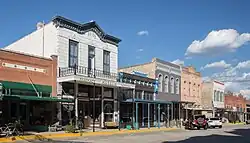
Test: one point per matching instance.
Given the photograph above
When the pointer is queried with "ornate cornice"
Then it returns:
(86, 27)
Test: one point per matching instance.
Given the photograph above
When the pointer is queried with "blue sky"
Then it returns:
(161, 28)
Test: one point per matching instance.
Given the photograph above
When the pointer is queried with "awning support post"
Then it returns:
(136, 114)
(148, 115)
(159, 114)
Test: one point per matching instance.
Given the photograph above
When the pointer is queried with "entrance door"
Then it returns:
(23, 113)
(108, 111)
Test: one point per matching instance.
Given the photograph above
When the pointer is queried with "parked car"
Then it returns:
(197, 121)
(214, 122)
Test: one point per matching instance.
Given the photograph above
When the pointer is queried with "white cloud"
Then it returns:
(226, 40)
(178, 62)
(140, 50)
(220, 64)
(143, 32)
(245, 92)
(235, 79)
(243, 65)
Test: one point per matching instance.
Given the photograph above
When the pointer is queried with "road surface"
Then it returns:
(228, 134)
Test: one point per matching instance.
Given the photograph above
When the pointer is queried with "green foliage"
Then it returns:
(70, 128)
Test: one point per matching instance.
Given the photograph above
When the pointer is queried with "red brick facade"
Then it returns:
(235, 101)
(19, 67)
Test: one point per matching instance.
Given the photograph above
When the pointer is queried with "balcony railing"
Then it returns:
(79, 70)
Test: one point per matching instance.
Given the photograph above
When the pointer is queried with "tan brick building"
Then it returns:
(191, 85)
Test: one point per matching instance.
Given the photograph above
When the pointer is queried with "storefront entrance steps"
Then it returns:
(48, 136)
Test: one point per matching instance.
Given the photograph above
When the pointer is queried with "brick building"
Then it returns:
(191, 89)
(28, 85)
(235, 106)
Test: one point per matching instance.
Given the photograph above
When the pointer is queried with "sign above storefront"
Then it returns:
(140, 73)
(103, 82)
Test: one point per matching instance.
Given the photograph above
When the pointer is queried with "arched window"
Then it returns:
(218, 95)
(166, 81)
(160, 78)
(214, 95)
(172, 84)
(222, 96)
(177, 86)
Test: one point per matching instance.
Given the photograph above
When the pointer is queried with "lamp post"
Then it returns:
(94, 105)
(118, 105)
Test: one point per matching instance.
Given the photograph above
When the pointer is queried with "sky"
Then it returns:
(211, 35)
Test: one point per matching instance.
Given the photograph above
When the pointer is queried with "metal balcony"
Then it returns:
(84, 71)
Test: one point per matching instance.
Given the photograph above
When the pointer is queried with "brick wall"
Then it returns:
(234, 101)
(191, 85)
(18, 67)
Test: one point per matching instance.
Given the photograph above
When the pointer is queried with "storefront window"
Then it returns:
(40, 113)
(108, 92)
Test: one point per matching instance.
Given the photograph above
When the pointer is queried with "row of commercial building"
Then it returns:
(68, 70)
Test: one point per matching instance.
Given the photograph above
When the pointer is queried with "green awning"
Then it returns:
(35, 98)
(26, 86)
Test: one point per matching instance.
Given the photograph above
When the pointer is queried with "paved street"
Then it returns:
(228, 134)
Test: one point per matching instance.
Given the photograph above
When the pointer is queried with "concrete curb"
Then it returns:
(86, 134)
(231, 124)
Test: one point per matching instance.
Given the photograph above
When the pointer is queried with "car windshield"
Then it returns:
(202, 116)
(213, 119)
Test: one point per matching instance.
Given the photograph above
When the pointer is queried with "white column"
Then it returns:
(76, 102)
(115, 97)
(102, 105)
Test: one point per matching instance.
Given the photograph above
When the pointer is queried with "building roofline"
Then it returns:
(25, 54)
(166, 62)
(136, 65)
(82, 28)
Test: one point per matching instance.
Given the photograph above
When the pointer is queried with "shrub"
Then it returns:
(70, 129)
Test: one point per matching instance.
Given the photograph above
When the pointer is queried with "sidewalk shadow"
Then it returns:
(238, 135)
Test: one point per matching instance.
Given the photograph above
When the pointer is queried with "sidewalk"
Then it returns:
(242, 123)
(53, 135)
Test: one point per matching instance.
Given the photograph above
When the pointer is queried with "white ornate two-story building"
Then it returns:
(87, 65)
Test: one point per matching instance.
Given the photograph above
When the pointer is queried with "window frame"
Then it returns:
(177, 87)
(73, 57)
(166, 84)
(106, 62)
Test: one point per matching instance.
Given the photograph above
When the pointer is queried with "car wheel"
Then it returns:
(192, 127)
(198, 128)
(205, 127)
(220, 126)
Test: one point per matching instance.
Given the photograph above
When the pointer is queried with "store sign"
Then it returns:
(140, 73)
(105, 82)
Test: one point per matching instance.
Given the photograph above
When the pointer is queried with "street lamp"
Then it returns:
(94, 105)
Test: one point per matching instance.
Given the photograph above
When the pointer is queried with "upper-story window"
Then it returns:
(177, 86)
(218, 96)
(73, 53)
(106, 62)
(160, 82)
(172, 84)
(223, 97)
(91, 58)
(214, 95)
(166, 81)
